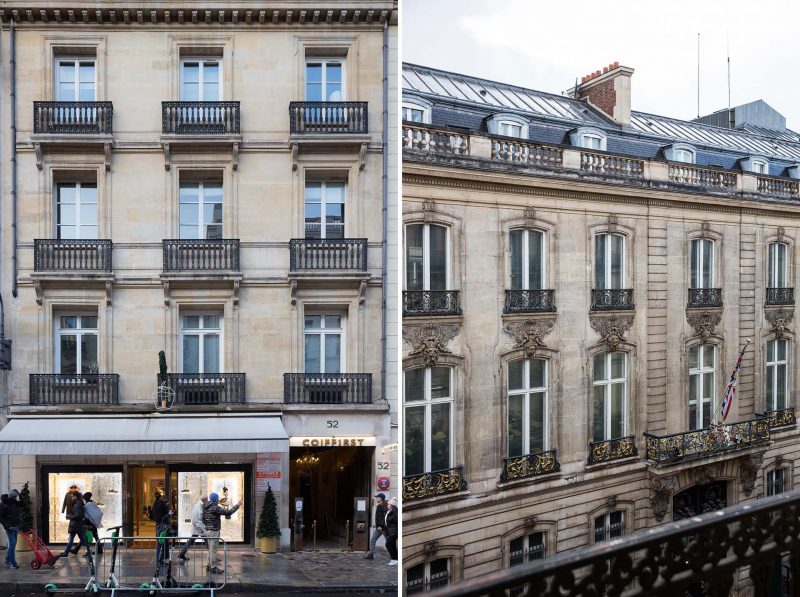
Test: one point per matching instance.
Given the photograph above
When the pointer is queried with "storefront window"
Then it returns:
(230, 487)
(106, 488)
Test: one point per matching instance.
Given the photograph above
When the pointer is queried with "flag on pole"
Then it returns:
(730, 391)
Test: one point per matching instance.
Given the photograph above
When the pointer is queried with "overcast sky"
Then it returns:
(545, 45)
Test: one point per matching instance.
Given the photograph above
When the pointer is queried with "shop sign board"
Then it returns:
(332, 442)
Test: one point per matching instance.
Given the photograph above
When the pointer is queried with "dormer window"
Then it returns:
(588, 138)
(756, 165)
(683, 155)
(680, 152)
(508, 125)
(591, 142)
(509, 129)
(417, 110)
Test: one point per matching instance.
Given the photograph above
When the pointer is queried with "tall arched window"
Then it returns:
(702, 385)
(610, 395)
(527, 259)
(527, 407)
(609, 261)
(428, 407)
(777, 377)
(427, 257)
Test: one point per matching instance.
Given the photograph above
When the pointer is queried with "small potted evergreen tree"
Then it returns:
(25, 515)
(268, 529)
(165, 394)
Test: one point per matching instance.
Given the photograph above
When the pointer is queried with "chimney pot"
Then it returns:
(616, 64)
(597, 73)
(605, 69)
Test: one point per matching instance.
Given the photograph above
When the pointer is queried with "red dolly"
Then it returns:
(42, 553)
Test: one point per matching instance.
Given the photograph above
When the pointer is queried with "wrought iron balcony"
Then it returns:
(612, 449)
(612, 299)
(101, 389)
(71, 255)
(201, 389)
(73, 118)
(530, 301)
(328, 118)
(434, 484)
(705, 297)
(688, 445)
(328, 254)
(201, 255)
(200, 118)
(780, 296)
(529, 465)
(781, 418)
(431, 302)
(327, 388)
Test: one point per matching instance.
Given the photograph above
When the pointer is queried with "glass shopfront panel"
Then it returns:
(106, 493)
(230, 487)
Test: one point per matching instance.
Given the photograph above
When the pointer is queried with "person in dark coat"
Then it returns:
(10, 517)
(77, 526)
(379, 524)
(211, 519)
(162, 516)
(87, 497)
(66, 505)
(391, 531)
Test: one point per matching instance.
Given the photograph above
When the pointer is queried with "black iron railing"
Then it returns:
(780, 296)
(88, 388)
(328, 254)
(201, 255)
(73, 118)
(434, 484)
(71, 255)
(612, 449)
(200, 118)
(431, 302)
(530, 301)
(781, 418)
(529, 465)
(327, 388)
(684, 446)
(705, 297)
(612, 299)
(199, 389)
(328, 117)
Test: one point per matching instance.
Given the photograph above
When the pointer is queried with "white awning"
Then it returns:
(152, 435)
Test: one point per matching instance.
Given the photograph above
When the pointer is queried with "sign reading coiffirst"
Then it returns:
(331, 442)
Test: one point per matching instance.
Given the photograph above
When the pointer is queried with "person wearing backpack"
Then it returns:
(9, 518)
(94, 519)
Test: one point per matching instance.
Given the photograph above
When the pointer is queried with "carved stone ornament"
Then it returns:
(661, 490)
(429, 549)
(703, 475)
(530, 523)
(612, 329)
(530, 217)
(428, 210)
(748, 471)
(705, 228)
(529, 334)
(430, 340)
(612, 222)
(780, 320)
(704, 323)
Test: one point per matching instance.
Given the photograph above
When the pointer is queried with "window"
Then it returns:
(702, 263)
(759, 167)
(325, 209)
(201, 210)
(76, 80)
(609, 526)
(324, 81)
(527, 407)
(427, 257)
(609, 259)
(428, 419)
(200, 80)
(428, 576)
(526, 248)
(527, 548)
(776, 268)
(777, 379)
(323, 343)
(776, 481)
(509, 129)
(591, 142)
(610, 386)
(76, 346)
(702, 385)
(683, 155)
(415, 113)
(201, 343)
(76, 211)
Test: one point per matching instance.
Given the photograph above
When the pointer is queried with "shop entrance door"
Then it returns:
(146, 483)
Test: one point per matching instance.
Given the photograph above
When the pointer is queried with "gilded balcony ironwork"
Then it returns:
(200, 118)
(431, 302)
(612, 449)
(328, 118)
(780, 296)
(781, 418)
(705, 297)
(612, 299)
(700, 443)
(434, 484)
(100, 389)
(200, 255)
(73, 118)
(529, 465)
(203, 389)
(327, 254)
(530, 301)
(70, 255)
(327, 388)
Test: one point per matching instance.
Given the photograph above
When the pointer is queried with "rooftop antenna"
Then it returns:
(698, 74)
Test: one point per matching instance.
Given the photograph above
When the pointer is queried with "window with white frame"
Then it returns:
(323, 335)
(324, 81)
(76, 80)
(527, 548)
(201, 343)
(76, 344)
(201, 210)
(427, 257)
(76, 211)
(201, 80)
(428, 576)
(325, 209)
(777, 374)
(527, 406)
(702, 385)
(415, 113)
(683, 155)
(609, 526)
(776, 481)
(777, 266)
(591, 141)
(609, 261)
(527, 259)
(609, 396)
(759, 167)
(428, 406)
(702, 263)
(507, 128)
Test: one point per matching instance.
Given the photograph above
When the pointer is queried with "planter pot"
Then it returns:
(268, 544)
(22, 545)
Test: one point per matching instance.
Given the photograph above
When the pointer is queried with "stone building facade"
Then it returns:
(579, 282)
(208, 181)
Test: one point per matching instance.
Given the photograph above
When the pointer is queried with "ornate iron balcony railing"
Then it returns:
(530, 301)
(328, 118)
(431, 302)
(434, 484)
(705, 297)
(780, 296)
(327, 388)
(200, 118)
(781, 418)
(201, 255)
(616, 299)
(328, 254)
(200, 389)
(73, 118)
(680, 447)
(612, 449)
(529, 465)
(101, 389)
(71, 255)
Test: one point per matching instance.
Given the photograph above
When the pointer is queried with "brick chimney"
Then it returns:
(609, 91)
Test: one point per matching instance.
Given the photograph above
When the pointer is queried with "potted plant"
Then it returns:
(268, 529)
(91, 376)
(25, 516)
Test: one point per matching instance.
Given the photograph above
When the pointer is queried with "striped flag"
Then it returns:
(730, 391)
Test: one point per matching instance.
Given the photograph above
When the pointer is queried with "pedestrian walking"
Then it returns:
(77, 526)
(198, 528)
(94, 518)
(379, 524)
(9, 518)
(162, 516)
(211, 519)
(391, 531)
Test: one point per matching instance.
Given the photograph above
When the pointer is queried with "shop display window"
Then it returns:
(106, 488)
(193, 484)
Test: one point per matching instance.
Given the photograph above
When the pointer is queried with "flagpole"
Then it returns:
(734, 379)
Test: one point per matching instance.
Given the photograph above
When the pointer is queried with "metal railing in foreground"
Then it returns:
(701, 554)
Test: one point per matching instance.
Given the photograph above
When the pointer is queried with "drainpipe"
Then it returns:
(13, 40)
(385, 208)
